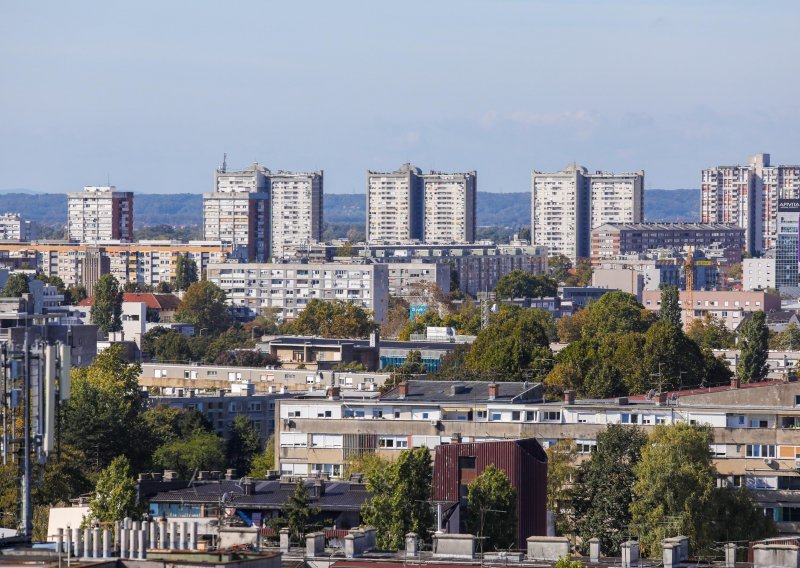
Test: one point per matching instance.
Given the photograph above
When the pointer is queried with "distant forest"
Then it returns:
(505, 210)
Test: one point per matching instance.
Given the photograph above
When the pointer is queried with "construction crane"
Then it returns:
(688, 269)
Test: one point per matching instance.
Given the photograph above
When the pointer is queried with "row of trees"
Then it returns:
(651, 487)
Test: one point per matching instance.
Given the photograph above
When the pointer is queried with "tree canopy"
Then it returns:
(16, 286)
(754, 344)
(107, 306)
(101, 417)
(516, 342)
(115, 496)
(400, 499)
(603, 492)
(243, 444)
(492, 509)
(334, 319)
(523, 284)
(670, 311)
(185, 272)
(202, 450)
(710, 332)
(204, 306)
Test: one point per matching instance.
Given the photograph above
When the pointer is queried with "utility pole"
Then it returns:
(27, 509)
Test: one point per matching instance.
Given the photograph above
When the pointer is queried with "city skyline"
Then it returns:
(110, 94)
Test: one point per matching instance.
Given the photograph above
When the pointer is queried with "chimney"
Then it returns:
(170, 475)
(230, 474)
(569, 396)
(319, 488)
(735, 383)
(247, 485)
(492, 391)
(661, 399)
(333, 393)
(402, 390)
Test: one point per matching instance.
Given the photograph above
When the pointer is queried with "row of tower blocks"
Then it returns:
(262, 214)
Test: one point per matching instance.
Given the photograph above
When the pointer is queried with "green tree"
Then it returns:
(243, 444)
(616, 312)
(107, 305)
(492, 509)
(711, 332)
(560, 472)
(581, 276)
(115, 495)
(788, 339)
(298, 512)
(75, 294)
(16, 286)
(101, 417)
(400, 499)
(559, 267)
(202, 450)
(570, 328)
(567, 562)
(265, 461)
(670, 305)
(603, 493)
(515, 341)
(669, 352)
(364, 463)
(173, 347)
(204, 306)
(523, 284)
(185, 272)
(334, 319)
(674, 488)
(754, 344)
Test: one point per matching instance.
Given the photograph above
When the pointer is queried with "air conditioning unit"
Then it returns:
(797, 464)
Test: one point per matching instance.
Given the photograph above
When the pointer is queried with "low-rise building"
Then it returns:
(755, 427)
(287, 288)
(405, 278)
(732, 307)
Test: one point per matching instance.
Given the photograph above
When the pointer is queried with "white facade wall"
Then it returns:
(287, 288)
(296, 210)
(13, 227)
(758, 273)
(449, 207)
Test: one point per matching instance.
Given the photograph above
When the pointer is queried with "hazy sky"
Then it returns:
(152, 93)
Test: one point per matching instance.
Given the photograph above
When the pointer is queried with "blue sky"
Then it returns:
(150, 94)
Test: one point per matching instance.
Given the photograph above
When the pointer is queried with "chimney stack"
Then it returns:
(735, 383)
(492, 391)
(661, 399)
(402, 390)
(333, 393)
(247, 485)
(569, 396)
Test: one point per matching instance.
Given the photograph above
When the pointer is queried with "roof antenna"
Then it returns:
(224, 167)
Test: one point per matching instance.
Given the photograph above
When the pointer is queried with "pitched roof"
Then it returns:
(156, 301)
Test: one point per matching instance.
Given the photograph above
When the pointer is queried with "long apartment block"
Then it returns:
(756, 428)
(615, 239)
(286, 288)
(145, 262)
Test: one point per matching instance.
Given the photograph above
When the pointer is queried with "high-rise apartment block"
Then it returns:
(567, 205)
(296, 218)
(237, 212)
(449, 207)
(749, 196)
(100, 213)
(13, 227)
(407, 205)
(260, 213)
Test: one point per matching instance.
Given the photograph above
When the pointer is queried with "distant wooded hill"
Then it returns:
(181, 209)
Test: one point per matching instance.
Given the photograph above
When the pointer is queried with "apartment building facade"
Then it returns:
(145, 262)
(395, 205)
(450, 212)
(614, 239)
(566, 206)
(100, 213)
(296, 210)
(755, 427)
(288, 287)
(237, 212)
(14, 228)
(749, 196)
(434, 208)
(732, 307)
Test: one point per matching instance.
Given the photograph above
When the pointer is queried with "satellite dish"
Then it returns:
(494, 308)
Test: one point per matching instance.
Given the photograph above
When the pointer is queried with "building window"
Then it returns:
(760, 451)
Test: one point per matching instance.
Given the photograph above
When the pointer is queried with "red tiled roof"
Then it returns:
(156, 301)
